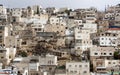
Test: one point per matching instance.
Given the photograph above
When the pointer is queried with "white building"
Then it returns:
(2, 10)
(44, 18)
(17, 12)
(77, 68)
(57, 20)
(109, 16)
(91, 26)
(90, 16)
(78, 22)
(4, 55)
(108, 39)
(37, 26)
(48, 60)
(106, 65)
(37, 9)
(1, 64)
(82, 39)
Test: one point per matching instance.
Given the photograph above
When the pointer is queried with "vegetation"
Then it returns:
(23, 53)
(61, 67)
(116, 55)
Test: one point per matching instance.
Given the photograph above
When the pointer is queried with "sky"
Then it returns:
(100, 4)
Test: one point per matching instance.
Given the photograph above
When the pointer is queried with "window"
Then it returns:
(66, 27)
(96, 53)
(86, 65)
(110, 53)
(104, 53)
(75, 65)
(2, 57)
(24, 43)
(69, 65)
(71, 71)
(102, 38)
(109, 62)
(84, 71)
(114, 35)
(80, 65)
(78, 47)
(75, 71)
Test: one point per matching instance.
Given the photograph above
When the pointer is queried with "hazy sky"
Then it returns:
(100, 4)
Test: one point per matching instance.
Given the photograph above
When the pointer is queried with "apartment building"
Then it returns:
(57, 20)
(50, 10)
(108, 39)
(91, 26)
(77, 22)
(77, 68)
(82, 39)
(7, 54)
(106, 66)
(37, 26)
(59, 29)
(34, 67)
(90, 16)
(103, 25)
(101, 52)
(44, 18)
(48, 60)
(37, 9)
(30, 12)
(2, 10)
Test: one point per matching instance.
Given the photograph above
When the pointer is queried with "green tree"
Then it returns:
(22, 53)
(116, 55)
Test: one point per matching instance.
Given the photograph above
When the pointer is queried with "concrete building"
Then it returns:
(30, 12)
(57, 20)
(50, 10)
(77, 22)
(59, 29)
(7, 54)
(103, 25)
(37, 26)
(44, 18)
(108, 39)
(17, 12)
(48, 60)
(101, 52)
(91, 26)
(34, 67)
(37, 9)
(77, 68)
(82, 39)
(2, 10)
(105, 66)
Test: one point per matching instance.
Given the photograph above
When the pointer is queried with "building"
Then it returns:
(108, 39)
(2, 10)
(77, 68)
(34, 67)
(50, 10)
(91, 26)
(37, 9)
(106, 66)
(82, 39)
(57, 20)
(48, 60)
(101, 52)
